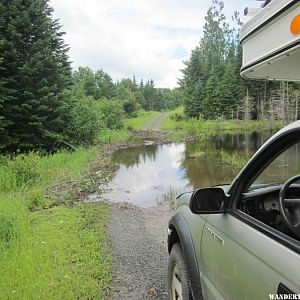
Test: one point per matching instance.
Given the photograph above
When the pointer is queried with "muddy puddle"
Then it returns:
(150, 174)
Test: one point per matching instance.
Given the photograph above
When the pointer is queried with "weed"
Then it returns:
(36, 199)
(234, 159)
(50, 251)
(196, 155)
(9, 230)
(170, 198)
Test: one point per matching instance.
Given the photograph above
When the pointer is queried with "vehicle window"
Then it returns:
(262, 200)
(281, 169)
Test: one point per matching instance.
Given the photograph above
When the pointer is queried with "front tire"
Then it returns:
(178, 280)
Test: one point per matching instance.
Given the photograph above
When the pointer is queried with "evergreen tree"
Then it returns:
(195, 109)
(35, 70)
(211, 106)
(212, 86)
(140, 94)
(227, 92)
(208, 59)
(150, 95)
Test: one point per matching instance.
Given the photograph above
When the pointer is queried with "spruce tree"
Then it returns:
(196, 105)
(35, 70)
(211, 106)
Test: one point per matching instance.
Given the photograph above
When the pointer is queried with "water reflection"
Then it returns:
(132, 157)
(147, 173)
(283, 167)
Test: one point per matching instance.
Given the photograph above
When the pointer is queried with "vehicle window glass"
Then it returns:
(282, 168)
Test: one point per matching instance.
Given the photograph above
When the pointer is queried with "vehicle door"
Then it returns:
(243, 258)
(243, 262)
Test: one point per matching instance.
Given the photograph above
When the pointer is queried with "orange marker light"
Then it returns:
(295, 25)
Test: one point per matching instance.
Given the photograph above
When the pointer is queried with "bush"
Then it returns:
(130, 108)
(177, 117)
(86, 121)
(113, 113)
(36, 199)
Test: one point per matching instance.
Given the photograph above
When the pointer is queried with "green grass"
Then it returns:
(122, 135)
(234, 159)
(112, 136)
(46, 251)
(27, 171)
(180, 128)
(138, 122)
(218, 125)
(171, 121)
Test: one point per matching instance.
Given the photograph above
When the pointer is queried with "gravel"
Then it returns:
(138, 240)
(155, 122)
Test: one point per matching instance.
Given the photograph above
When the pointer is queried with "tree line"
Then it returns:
(211, 83)
(43, 104)
(133, 95)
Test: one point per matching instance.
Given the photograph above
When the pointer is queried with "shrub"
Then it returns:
(36, 199)
(129, 108)
(112, 113)
(86, 121)
(177, 117)
(25, 169)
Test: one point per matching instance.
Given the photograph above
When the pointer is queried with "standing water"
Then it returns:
(147, 174)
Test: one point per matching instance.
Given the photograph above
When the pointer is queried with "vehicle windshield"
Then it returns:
(281, 169)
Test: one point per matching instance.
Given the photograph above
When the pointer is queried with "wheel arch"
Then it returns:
(179, 232)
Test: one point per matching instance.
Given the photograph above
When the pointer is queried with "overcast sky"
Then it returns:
(145, 38)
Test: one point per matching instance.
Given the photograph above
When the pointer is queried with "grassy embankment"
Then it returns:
(181, 128)
(50, 248)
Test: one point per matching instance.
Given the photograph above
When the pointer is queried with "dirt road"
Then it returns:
(138, 239)
(155, 122)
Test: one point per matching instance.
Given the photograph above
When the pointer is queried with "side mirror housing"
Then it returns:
(209, 201)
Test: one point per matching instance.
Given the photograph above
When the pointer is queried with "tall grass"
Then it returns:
(174, 119)
(28, 170)
(111, 136)
(234, 159)
(193, 128)
(46, 251)
(55, 254)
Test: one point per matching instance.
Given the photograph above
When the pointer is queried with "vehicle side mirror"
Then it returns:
(209, 201)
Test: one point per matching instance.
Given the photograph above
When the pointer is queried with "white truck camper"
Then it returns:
(271, 42)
